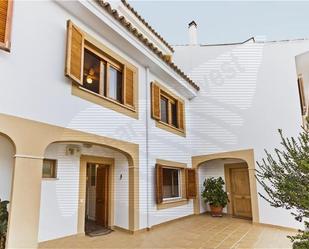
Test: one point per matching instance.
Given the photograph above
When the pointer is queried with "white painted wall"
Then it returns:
(167, 146)
(59, 197)
(248, 91)
(7, 153)
(46, 96)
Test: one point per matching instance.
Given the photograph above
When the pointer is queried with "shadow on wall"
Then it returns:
(7, 152)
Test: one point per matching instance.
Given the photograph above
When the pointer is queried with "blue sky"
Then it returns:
(226, 21)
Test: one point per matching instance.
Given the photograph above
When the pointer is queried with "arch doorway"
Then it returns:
(237, 184)
(237, 168)
(86, 192)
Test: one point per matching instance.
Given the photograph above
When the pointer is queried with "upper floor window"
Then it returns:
(103, 76)
(98, 70)
(6, 10)
(167, 109)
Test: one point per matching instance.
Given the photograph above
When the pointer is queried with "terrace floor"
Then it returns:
(201, 231)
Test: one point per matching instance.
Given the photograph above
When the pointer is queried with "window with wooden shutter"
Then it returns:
(129, 87)
(167, 109)
(75, 53)
(190, 183)
(159, 183)
(171, 186)
(180, 111)
(155, 101)
(6, 11)
(103, 77)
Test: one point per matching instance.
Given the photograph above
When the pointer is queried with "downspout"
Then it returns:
(147, 141)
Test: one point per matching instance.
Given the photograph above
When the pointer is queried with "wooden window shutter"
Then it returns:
(159, 183)
(155, 101)
(301, 95)
(190, 183)
(128, 86)
(75, 53)
(6, 11)
(181, 115)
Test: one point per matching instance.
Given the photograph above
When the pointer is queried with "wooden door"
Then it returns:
(102, 196)
(240, 192)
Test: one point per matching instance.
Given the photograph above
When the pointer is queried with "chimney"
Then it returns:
(193, 33)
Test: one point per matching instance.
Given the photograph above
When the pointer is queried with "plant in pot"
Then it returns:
(214, 194)
(3, 222)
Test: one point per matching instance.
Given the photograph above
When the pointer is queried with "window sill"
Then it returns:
(5, 46)
(170, 128)
(172, 203)
(103, 101)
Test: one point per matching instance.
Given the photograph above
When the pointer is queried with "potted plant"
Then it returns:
(3, 222)
(214, 194)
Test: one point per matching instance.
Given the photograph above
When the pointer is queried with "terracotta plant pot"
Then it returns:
(216, 211)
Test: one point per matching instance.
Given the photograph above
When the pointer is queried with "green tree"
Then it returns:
(285, 179)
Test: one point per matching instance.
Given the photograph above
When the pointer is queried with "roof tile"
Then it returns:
(122, 20)
(147, 24)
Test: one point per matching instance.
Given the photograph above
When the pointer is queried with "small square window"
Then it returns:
(49, 168)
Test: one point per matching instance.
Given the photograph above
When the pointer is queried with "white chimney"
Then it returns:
(193, 33)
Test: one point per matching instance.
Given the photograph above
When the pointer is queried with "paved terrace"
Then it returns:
(200, 231)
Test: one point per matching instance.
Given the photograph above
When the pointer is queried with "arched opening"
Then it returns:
(85, 189)
(7, 153)
(243, 157)
(235, 174)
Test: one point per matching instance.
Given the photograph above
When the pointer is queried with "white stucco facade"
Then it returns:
(247, 91)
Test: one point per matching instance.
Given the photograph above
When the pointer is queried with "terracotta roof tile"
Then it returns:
(126, 24)
(147, 25)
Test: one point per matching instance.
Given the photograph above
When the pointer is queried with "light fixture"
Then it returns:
(89, 79)
(90, 75)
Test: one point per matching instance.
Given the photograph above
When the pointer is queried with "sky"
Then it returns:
(226, 21)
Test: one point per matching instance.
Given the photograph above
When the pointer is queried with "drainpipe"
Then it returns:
(147, 140)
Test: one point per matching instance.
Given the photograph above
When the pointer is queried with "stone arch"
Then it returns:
(31, 138)
(130, 152)
(244, 155)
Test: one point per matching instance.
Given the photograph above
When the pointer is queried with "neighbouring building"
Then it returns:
(102, 121)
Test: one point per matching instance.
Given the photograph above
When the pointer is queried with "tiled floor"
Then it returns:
(193, 232)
